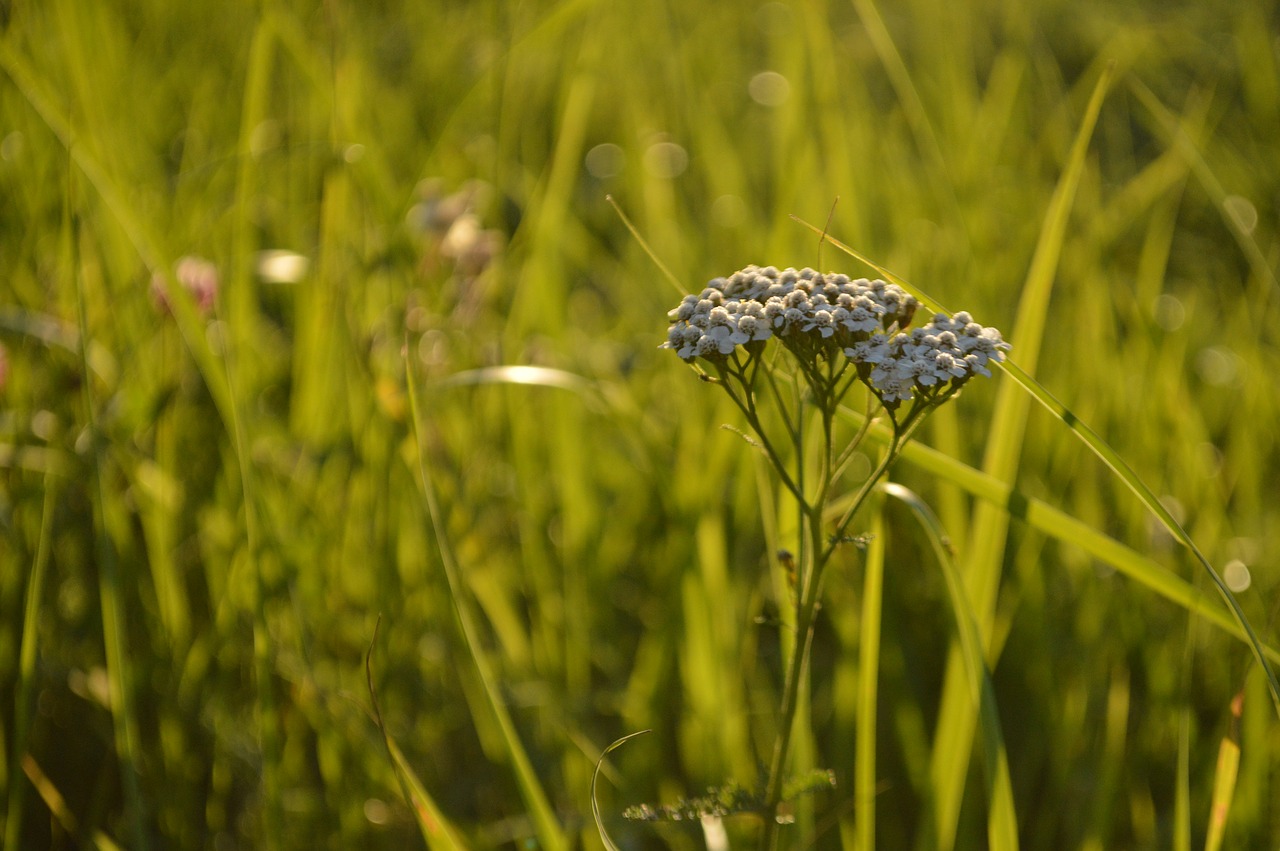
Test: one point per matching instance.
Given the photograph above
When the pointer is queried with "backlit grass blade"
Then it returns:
(1117, 464)
(437, 831)
(1002, 823)
(595, 775)
(1112, 459)
(1224, 778)
(538, 376)
(550, 834)
(868, 686)
(1061, 526)
(58, 807)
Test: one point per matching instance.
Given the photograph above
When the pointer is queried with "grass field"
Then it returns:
(233, 495)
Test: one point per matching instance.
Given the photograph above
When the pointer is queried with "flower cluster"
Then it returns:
(756, 303)
(948, 350)
(816, 315)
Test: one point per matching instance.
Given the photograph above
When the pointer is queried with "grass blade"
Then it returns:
(1002, 823)
(953, 742)
(1182, 786)
(1224, 778)
(868, 686)
(1063, 527)
(59, 808)
(595, 775)
(437, 831)
(547, 827)
(1118, 466)
(1177, 134)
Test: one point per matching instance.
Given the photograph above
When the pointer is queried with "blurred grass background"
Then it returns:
(204, 516)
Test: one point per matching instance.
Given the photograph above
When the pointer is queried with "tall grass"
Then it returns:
(205, 514)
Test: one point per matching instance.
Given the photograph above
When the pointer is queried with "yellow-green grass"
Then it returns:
(203, 517)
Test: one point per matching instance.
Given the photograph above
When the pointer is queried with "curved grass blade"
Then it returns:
(437, 831)
(540, 376)
(549, 832)
(1118, 466)
(1002, 823)
(1058, 524)
(595, 775)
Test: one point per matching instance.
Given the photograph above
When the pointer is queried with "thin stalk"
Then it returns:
(748, 409)
(807, 603)
(868, 687)
(818, 555)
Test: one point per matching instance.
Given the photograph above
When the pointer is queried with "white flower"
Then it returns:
(774, 310)
(894, 390)
(823, 321)
(688, 306)
(825, 313)
(977, 364)
(753, 328)
(872, 350)
(792, 317)
(947, 363)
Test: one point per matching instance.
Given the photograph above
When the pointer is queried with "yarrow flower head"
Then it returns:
(799, 306)
(821, 317)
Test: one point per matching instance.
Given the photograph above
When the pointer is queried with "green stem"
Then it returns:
(748, 409)
(817, 555)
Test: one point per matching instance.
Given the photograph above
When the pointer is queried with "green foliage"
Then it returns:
(204, 514)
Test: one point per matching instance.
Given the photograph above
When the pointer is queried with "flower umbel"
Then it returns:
(830, 322)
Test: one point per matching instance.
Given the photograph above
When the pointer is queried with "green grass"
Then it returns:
(202, 518)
